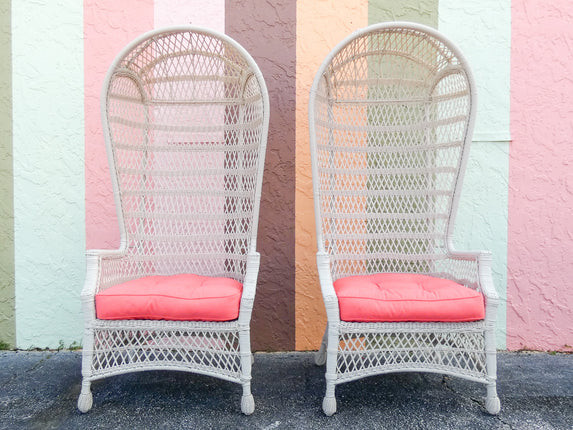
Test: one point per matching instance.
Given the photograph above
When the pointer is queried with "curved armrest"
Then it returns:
(106, 253)
(327, 287)
(249, 288)
(251, 275)
(94, 260)
(482, 261)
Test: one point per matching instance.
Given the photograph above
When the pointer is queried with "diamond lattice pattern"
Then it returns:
(185, 114)
(199, 350)
(447, 349)
(391, 115)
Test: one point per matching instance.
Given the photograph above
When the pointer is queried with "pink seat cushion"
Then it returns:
(184, 297)
(388, 297)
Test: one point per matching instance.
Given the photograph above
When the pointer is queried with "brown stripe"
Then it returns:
(268, 32)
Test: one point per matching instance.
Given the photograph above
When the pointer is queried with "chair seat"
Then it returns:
(184, 297)
(400, 297)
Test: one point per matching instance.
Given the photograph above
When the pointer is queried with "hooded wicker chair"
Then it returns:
(185, 117)
(391, 116)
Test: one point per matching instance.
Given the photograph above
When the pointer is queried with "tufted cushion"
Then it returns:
(387, 297)
(184, 297)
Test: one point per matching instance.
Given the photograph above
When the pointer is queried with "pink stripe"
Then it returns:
(201, 13)
(108, 26)
(540, 261)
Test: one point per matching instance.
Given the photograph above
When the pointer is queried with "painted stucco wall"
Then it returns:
(485, 40)
(482, 217)
(420, 11)
(48, 151)
(540, 261)
(267, 29)
(196, 12)
(56, 189)
(7, 322)
(108, 25)
(320, 26)
(107, 29)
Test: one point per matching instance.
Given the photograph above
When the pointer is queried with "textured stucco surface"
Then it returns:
(55, 74)
(267, 29)
(420, 11)
(321, 25)
(482, 218)
(7, 322)
(540, 261)
(481, 223)
(210, 14)
(48, 152)
(108, 26)
(482, 31)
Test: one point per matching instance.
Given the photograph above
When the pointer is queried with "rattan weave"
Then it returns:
(391, 117)
(185, 116)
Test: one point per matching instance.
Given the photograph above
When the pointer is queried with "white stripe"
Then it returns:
(49, 197)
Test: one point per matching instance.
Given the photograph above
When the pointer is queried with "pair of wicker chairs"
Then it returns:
(185, 116)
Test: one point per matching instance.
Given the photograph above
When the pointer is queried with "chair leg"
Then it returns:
(320, 356)
(85, 400)
(247, 401)
(329, 401)
(492, 403)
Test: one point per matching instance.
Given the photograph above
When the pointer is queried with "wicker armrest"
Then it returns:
(327, 286)
(476, 264)
(96, 259)
(251, 275)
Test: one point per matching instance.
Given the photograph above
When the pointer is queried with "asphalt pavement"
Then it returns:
(39, 390)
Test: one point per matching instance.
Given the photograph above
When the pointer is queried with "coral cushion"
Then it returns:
(388, 297)
(184, 297)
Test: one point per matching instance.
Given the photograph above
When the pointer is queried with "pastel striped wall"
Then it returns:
(55, 189)
(420, 11)
(196, 12)
(482, 220)
(7, 322)
(540, 257)
(320, 26)
(108, 25)
(273, 318)
(267, 29)
(485, 39)
(48, 163)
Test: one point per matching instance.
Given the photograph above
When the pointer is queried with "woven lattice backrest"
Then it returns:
(390, 112)
(186, 115)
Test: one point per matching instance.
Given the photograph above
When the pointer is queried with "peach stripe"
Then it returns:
(320, 26)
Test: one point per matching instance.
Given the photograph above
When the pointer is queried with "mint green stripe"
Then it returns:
(481, 223)
(420, 11)
(483, 213)
(7, 318)
(48, 149)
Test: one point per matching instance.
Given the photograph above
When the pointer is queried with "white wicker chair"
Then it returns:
(391, 119)
(185, 116)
